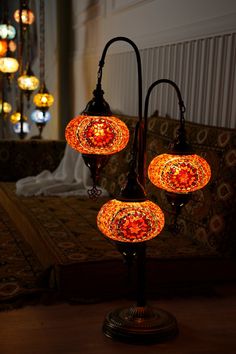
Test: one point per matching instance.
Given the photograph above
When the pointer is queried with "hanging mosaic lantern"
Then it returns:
(28, 82)
(8, 65)
(97, 134)
(27, 16)
(43, 99)
(179, 173)
(7, 31)
(24, 131)
(3, 47)
(16, 117)
(97, 131)
(5, 107)
(40, 117)
(130, 221)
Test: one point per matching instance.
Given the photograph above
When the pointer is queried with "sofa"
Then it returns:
(79, 262)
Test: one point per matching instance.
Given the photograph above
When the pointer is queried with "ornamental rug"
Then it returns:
(20, 270)
(63, 234)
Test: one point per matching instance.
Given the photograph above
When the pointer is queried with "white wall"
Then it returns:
(151, 24)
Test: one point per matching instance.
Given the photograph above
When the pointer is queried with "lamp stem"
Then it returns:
(141, 172)
(141, 275)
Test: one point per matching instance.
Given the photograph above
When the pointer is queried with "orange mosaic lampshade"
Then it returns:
(101, 135)
(130, 221)
(179, 173)
(3, 47)
(43, 100)
(16, 117)
(27, 16)
(8, 65)
(5, 107)
(28, 82)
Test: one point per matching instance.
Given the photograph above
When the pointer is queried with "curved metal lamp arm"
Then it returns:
(139, 68)
(181, 112)
(172, 83)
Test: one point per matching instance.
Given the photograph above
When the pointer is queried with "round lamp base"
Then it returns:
(142, 325)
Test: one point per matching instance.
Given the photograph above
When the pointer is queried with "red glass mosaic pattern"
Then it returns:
(179, 173)
(130, 221)
(97, 135)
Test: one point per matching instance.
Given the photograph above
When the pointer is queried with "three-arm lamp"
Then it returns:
(131, 219)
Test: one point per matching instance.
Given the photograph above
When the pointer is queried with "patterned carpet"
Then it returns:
(82, 263)
(21, 274)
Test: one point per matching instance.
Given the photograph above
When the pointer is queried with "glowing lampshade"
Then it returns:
(28, 82)
(12, 46)
(5, 107)
(27, 16)
(15, 117)
(3, 47)
(7, 31)
(40, 117)
(179, 173)
(97, 134)
(130, 221)
(8, 65)
(43, 100)
(17, 128)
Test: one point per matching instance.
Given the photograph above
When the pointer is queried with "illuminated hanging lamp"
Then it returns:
(24, 15)
(131, 217)
(16, 117)
(180, 170)
(97, 131)
(19, 123)
(39, 117)
(43, 99)
(7, 31)
(3, 47)
(130, 221)
(8, 65)
(12, 46)
(28, 82)
(102, 135)
(179, 173)
(5, 107)
(20, 129)
(97, 134)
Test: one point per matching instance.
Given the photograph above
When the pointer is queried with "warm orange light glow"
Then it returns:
(130, 221)
(3, 47)
(97, 135)
(8, 65)
(5, 107)
(15, 117)
(12, 46)
(43, 100)
(179, 173)
(28, 82)
(27, 16)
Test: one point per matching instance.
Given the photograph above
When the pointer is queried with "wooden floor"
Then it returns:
(207, 326)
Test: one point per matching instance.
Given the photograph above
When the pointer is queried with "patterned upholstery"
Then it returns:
(209, 217)
(22, 158)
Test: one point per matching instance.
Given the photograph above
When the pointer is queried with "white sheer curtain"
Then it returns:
(72, 177)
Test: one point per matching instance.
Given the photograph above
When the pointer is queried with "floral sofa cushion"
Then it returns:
(209, 217)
